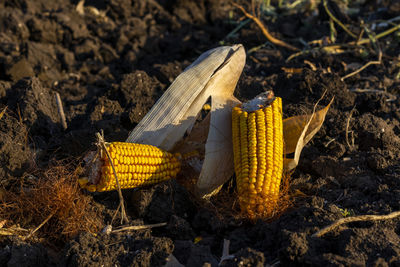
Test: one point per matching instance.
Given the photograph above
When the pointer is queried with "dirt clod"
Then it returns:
(15, 154)
(160, 202)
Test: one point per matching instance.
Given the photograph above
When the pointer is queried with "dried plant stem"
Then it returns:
(102, 144)
(115, 213)
(338, 21)
(312, 65)
(11, 231)
(316, 49)
(360, 218)
(61, 111)
(359, 38)
(358, 90)
(350, 44)
(351, 146)
(138, 227)
(376, 62)
(265, 30)
(40, 225)
(378, 36)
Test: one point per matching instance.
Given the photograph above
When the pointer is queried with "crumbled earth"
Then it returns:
(111, 60)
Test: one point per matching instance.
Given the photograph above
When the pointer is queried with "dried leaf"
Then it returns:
(214, 74)
(298, 131)
(176, 111)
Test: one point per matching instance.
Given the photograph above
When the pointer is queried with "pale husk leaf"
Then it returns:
(175, 112)
(218, 162)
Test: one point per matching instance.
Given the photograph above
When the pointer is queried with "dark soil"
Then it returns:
(112, 63)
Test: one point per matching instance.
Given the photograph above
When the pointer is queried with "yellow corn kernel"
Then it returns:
(258, 157)
(83, 181)
(136, 165)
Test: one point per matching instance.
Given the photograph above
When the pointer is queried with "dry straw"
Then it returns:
(52, 205)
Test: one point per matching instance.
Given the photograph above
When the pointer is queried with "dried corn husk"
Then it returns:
(214, 74)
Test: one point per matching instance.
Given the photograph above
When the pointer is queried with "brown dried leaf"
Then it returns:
(298, 131)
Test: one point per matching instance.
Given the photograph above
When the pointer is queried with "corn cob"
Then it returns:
(258, 157)
(136, 165)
